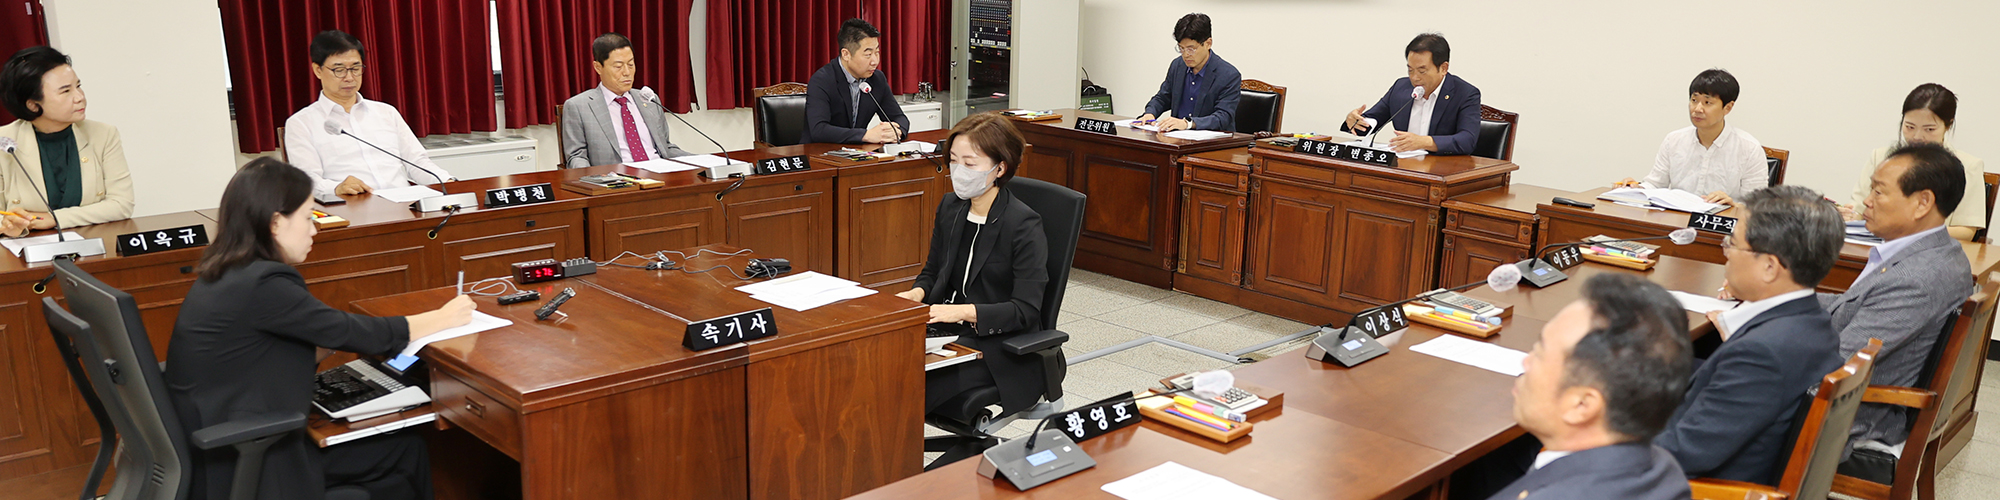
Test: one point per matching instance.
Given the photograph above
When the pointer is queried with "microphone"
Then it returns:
(728, 169)
(443, 201)
(1541, 274)
(7, 143)
(1351, 345)
(1415, 93)
(884, 113)
(1680, 237)
(1127, 399)
(334, 128)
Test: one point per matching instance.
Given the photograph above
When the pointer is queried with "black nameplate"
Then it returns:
(1340, 151)
(1096, 125)
(1097, 419)
(1566, 257)
(1712, 223)
(796, 163)
(146, 242)
(519, 195)
(1379, 321)
(732, 329)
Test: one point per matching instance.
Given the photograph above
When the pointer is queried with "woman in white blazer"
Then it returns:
(76, 165)
(1929, 114)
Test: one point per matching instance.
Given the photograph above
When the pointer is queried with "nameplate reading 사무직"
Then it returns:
(520, 195)
(795, 163)
(1712, 223)
(732, 329)
(1340, 151)
(1096, 125)
(145, 242)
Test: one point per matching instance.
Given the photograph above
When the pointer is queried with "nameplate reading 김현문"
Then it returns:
(1340, 151)
(1096, 419)
(145, 242)
(1712, 223)
(1566, 257)
(520, 195)
(1379, 321)
(1096, 125)
(794, 163)
(732, 329)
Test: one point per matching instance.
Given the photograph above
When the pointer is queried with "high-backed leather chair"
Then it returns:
(1822, 434)
(1261, 108)
(1992, 183)
(1496, 133)
(780, 114)
(1775, 161)
(966, 415)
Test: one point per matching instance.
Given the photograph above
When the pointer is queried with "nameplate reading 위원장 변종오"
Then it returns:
(1347, 152)
(1096, 125)
(794, 163)
(1712, 223)
(145, 242)
(732, 329)
(520, 195)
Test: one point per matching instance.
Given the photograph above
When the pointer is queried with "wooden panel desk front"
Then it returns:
(1133, 181)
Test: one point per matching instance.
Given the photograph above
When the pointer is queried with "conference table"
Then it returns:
(1393, 427)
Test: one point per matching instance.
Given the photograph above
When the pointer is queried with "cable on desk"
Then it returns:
(480, 287)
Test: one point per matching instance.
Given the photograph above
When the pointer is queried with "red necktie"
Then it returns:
(631, 131)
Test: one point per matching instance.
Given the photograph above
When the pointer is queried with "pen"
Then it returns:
(1204, 417)
(1191, 418)
(1466, 315)
(461, 283)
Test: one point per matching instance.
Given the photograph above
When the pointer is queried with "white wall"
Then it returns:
(1044, 59)
(1598, 83)
(155, 69)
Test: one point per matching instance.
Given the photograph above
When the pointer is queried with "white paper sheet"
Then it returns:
(1472, 352)
(16, 244)
(707, 160)
(804, 302)
(407, 194)
(1196, 135)
(1702, 303)
(480, 322)
(1384, 145)
(1134, 123)
(661, 166)
(1173, 481)
(806, 283)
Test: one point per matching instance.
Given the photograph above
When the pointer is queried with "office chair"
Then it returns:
(780, 114)
(124, 387)
(966, 415)
(1496, 133)
(1261, 108)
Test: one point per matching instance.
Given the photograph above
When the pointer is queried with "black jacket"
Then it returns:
(1738, 413)
(244, 345)
(1215, 108)
(827, 116)
(1010, 275)
(1628, 471)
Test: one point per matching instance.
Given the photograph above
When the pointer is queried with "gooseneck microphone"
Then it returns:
(334, 128)
(727, 163)
(882, 113)
(1540, 274)
(1415, 93)
(1680, 237)
(7, 143)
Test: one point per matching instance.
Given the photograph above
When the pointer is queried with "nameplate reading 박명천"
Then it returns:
(520, 195)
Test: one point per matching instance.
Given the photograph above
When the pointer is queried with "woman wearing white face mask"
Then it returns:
(987, 266)
(1930, 113)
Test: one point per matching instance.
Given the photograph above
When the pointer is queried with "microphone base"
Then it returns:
(49, 251)
(1540, 274)
(436, 203)
(729, 168)
(1058, 455)
(1333, 346)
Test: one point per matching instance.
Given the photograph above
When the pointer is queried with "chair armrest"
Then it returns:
(1899, 396)
(1034, 341)
(237, 431)
(1723, 489)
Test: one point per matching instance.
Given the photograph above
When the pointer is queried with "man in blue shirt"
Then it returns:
(1201, 89)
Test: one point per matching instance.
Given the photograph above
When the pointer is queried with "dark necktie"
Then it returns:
(631, 131)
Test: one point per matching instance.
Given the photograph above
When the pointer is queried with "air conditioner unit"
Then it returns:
(475, 156)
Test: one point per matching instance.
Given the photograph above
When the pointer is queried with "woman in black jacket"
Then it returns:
(1001, 241)
(246, 339)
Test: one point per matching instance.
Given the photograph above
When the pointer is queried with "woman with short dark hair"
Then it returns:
(1930, 113)
(245, 344)
(76, 165)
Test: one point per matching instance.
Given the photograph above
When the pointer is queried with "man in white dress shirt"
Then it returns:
(613, 122)
(1709, 158)
(343, 165)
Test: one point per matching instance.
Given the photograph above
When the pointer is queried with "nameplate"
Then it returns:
(146, 242)
(732, 329)
(1379, 321)
(1340, 151)
(1097, 419)
(1096, 125)
(1712, 223)
(795, 163)
(520, 195)
(1566, 257)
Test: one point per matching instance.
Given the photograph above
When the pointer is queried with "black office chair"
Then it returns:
(780, 114)
(1775, 161)
(1261, 108)
(966, 415)
(124, 387)
(1496, 133)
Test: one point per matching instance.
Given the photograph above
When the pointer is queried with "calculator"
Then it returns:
(1236, 398)
(1462, 302)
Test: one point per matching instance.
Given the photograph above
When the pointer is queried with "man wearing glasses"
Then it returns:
(1443, 119)
(1201, 89)
(629, 125)
(343, 165)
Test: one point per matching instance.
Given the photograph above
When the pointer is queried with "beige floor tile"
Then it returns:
(1225, 337)
(1156, 319)
(1086, 335)
(1163, 360)
(1090, 301)
(1955, 484)
(1134, 290)
(1201, 306)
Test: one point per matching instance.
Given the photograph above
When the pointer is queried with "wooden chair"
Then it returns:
(1951, 375)
(286, 156)
(1261, 109)
(1822, 435)
(1992, 182)
(1775, 160)
(770, 117)
(1496, 133)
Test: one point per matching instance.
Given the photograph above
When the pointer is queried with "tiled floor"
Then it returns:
(1100, 311)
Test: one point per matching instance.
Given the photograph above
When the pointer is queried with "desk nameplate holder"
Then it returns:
(1356, 343)
(1712, 223)
(1096, 125)
(1338, 151)
(145, 242)
(732, 329)
(520, 195)
(794, 163)
(1541, 273)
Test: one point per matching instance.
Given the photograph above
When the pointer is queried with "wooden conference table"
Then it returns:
(1391, 428)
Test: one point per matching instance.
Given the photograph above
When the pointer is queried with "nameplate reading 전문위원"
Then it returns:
(1340, 151)
(1096, 125)
(520, 195)
(732, 329)
(145, 242)
(794, 163)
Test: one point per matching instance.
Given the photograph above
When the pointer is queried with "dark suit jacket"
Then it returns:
(244, 345)
(1009, 276)
(1215, 108)
(1454, 120)
(1629, 471)
(827, 115)
(1738, 413)
(1904, 303)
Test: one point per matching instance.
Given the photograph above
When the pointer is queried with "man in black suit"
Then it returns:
(1201, 89)
(1595, 390)
(1444, 116)
(1777, 344)
(851, 89)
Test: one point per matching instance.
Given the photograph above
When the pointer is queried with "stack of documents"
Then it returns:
(407, 194)
(1857, 233)
(1472, 352)
(1384, 146)
(805, 290)
(707, 161)
(1196, 135)
(661, 166)
(1667, 198)
(1146, 126)
(1702, 304)
(1173, 481)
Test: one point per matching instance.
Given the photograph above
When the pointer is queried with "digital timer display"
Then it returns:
(537, 271)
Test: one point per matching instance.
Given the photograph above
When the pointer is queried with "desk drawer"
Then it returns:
(479, 413)
(1196, 174)
(1500, 228)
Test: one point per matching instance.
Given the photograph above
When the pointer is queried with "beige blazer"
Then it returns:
(107, 184)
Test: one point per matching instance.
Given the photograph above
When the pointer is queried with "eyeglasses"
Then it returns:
(1184, 50)
(1729, 243)
(343, 72)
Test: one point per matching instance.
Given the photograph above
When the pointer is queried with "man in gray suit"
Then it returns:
(1607, 373)
(1902, 296)
(613, 123)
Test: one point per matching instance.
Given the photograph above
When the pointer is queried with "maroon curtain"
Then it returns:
(428, 58)
(545, 51)
(21, 26)
(757, 43)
